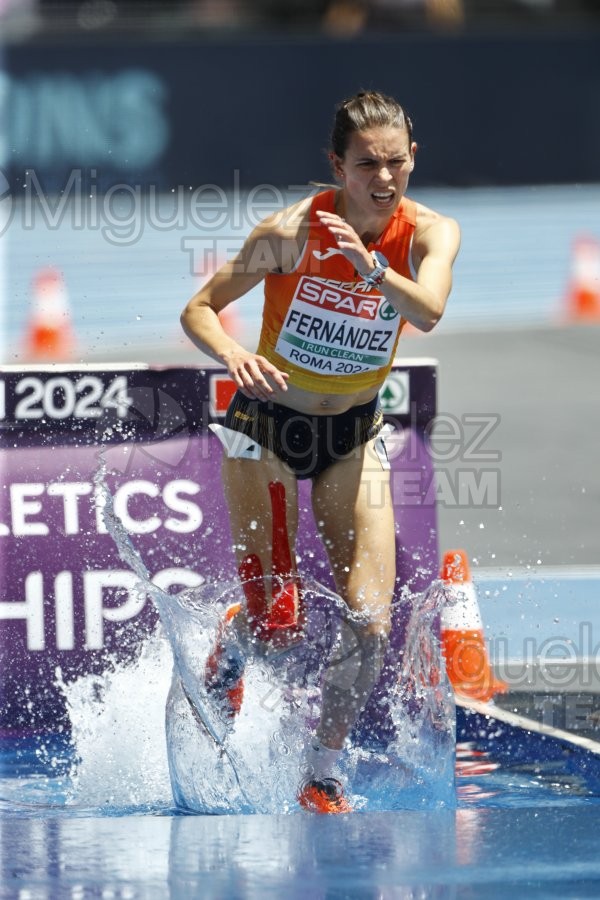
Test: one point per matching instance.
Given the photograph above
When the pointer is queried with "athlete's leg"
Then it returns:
(262, 497)
(354, 512)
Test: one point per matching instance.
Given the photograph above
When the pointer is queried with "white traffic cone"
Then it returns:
(583, 297)
(463, 640)
(49, 335)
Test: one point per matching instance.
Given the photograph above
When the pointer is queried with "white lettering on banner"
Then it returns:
(22, 508)
(31, 610)
(326, 323)
(70, 492)
(191, 511)
(64, 397)
(63, 604)
(95, 612)
(94, 584)
(121, 507)
(31, 514)
(171, 499)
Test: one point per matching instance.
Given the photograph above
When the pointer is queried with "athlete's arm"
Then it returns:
(435, 245)
(261, 253)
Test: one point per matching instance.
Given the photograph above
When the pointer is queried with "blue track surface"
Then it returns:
(129, 277)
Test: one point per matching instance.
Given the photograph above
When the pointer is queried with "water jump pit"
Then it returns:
(105, 721)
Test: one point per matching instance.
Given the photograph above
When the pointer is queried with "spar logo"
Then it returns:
(336, 299)
(220, 391)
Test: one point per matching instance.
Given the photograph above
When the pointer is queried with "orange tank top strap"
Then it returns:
(320, 245)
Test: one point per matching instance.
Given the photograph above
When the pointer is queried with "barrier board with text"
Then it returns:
(66, 599)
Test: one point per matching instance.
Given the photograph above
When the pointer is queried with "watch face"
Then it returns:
(380, 259)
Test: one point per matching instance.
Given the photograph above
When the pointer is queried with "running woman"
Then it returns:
(343, 271)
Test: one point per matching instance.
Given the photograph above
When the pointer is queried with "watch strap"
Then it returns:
(378, 274)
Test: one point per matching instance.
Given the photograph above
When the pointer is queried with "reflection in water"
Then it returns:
(482, 781)
(381, 855)
(385, 856)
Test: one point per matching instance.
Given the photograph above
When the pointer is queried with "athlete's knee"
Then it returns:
(375, 616)
(380, 625)
(358, 656)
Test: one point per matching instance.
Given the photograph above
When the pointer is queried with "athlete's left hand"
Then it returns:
(348, 241)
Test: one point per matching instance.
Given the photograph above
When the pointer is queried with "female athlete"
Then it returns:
(343, 271)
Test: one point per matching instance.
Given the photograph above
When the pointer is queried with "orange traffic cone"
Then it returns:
(463, 641)
(49, 336)
(583, 299)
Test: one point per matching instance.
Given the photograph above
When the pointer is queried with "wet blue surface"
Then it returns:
(526, 821)
(470, 852)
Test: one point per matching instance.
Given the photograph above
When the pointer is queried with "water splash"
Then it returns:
(117, 730)
(147, 728)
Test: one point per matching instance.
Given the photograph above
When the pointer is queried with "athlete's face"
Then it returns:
(376, 168)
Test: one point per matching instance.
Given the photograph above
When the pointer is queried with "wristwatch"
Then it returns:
(381, 265)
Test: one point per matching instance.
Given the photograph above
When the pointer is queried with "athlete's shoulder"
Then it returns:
(287, 222)
(280, 237)
(428, 218)
(434, 230)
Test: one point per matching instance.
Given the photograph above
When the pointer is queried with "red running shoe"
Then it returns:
(325, 796)
(224, 672)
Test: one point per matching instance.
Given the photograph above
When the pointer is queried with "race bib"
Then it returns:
(331, 329)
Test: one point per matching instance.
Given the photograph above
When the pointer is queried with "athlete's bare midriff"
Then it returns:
(321, 404)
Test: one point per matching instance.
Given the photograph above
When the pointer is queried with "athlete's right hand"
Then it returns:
(255, 376)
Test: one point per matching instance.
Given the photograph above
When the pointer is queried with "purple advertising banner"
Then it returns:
(67, 601)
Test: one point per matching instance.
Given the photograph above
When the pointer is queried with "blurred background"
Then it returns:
(141, 141)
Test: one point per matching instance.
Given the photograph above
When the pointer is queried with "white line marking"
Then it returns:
(504, 715)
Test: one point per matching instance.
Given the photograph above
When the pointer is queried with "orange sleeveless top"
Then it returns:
(331, 331)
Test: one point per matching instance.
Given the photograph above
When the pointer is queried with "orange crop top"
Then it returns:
(322, 324)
